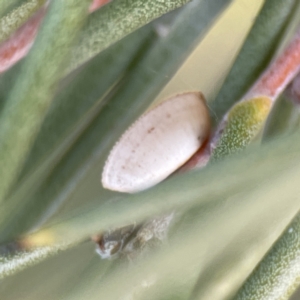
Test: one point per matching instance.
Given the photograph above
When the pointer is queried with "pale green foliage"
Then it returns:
(111, 65)
(241, 126)
(279, 273)
(255, 55)
(23, 259)
(6, 5)
(33, 92)
(116, 20)
(56, 132)
(18, 17)
(143, 81)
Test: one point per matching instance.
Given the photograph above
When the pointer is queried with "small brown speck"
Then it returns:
(151, 129)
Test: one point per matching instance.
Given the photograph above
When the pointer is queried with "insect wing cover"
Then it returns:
(157, 144)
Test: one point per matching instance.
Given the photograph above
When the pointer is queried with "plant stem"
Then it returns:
(279, 74)
(259, 48)
(250, 113)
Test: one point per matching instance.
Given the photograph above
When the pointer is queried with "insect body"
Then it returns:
(157, 144)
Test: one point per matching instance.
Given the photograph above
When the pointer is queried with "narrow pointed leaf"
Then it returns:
(183, 36)
(180, 191)
(80, 100)
(65, 279)
(173, 271)
(18, 17)
(284, 118)
(6, 5)
(281, 265)
(32, 94)
(20, 42)
(20, 260)
(258, 50)
(114, 21)
(143, 83)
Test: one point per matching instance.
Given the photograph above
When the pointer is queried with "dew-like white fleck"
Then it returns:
(157, 144)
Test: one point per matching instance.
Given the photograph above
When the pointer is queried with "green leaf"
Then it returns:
(13, 263)
(6, 5)
(230, 213)
(32, 94)
(180, 41)
(284, 118)
(281, 265)
(7, 81)
(17, 17)
(59, 183)
(79, 100)
(179, 192)
(233, 234)
(114, 21)
(86, 158)
(68, 272)
(241, 125)
(92, 83)
(259, 48)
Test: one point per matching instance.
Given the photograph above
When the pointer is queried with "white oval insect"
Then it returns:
(157, 144)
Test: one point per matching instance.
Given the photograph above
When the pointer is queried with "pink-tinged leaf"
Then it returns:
(244, 120)
(18, 45)
(280, 73)
(96, 4)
